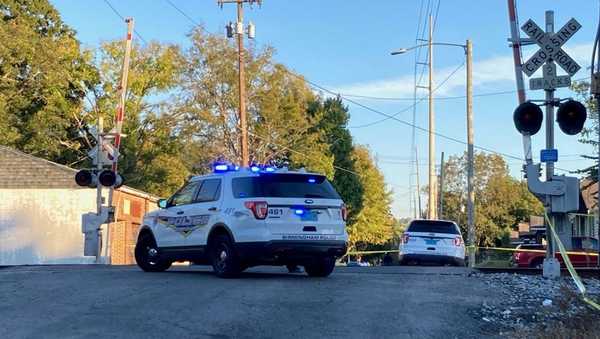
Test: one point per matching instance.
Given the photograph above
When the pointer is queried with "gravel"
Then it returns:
(528, 300)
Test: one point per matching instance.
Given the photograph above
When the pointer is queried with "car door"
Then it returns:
(204, 212)
(172, 222)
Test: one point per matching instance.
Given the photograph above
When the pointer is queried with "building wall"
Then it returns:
(43, 226)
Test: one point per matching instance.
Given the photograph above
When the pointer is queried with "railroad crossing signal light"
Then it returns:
(571, 116)
(107, 178)
(528, 118)
(86, 178)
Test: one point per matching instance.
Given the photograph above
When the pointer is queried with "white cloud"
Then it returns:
(487, 72)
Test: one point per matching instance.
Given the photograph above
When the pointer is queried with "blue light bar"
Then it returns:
(269, 169)
(221, 168)
(312, 180)
(254, 168)
(298, 212)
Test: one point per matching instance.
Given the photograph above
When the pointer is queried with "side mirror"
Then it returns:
(162, 203)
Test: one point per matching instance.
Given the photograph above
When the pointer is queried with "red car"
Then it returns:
(536, 259)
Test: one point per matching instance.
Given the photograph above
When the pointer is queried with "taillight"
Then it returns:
(405, 238)
(344, 212)
(258, 208)
(458, 241)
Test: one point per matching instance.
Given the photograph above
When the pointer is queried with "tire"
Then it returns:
(321, 267)
(147, 255)
(223, 257)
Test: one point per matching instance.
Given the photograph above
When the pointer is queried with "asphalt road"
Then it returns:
(361, 302)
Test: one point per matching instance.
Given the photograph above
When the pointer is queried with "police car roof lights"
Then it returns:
(221, 168)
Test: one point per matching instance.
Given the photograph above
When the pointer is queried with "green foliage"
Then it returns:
(152, 151)
(181, 112)
(374, 224)
(280, 131)
(333, 119)
(501, 201)
(589, 135)
(44, 76)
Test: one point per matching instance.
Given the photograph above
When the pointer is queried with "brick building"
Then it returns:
(41, 209)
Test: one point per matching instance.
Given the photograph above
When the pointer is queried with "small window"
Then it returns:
(210, 191)
(433, 226)
(185, 195)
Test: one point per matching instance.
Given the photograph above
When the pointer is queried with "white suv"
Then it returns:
(436, 241)
(236, 218)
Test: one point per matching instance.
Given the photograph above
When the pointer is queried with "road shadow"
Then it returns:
(243, 275)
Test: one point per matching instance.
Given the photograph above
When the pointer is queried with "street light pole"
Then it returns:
(470, 156)
(431, 211)
(468, 48)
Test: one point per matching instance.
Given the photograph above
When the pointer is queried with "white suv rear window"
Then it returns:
(432, 226)
(284, 185)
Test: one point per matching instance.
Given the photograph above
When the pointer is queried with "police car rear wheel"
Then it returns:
(147, 255)
(321, 267)
(225, 261)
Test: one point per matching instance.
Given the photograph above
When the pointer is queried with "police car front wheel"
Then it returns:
(148, 256)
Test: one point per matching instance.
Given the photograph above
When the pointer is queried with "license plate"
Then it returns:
(431, 241)
(275, 212)
(309, 216)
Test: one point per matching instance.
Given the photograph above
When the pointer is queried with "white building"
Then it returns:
(41, 209)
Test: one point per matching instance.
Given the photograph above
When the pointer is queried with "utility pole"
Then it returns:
(419, 216)
(432, 185)
(239, 32)
(470, 156)
(441, 192)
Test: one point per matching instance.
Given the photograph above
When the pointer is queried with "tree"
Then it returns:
(44, 75)
(501, 201)
(280, 130)
(152, 152)
(333, 118)
(589, 134)
(374, 224)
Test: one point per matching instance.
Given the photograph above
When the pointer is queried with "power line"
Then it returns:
(413, 105)
(436, 98)
(123, 18)
(440, 98)
(392, 117)
(183, 13)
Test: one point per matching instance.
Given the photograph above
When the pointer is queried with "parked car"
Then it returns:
(536, 259)
(436, 241)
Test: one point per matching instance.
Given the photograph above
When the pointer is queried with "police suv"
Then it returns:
(236, 218)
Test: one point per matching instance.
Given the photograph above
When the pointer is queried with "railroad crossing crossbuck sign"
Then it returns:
(550, 50)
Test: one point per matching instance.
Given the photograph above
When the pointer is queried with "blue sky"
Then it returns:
(344, 45)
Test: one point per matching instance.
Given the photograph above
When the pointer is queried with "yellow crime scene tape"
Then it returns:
(570, 267)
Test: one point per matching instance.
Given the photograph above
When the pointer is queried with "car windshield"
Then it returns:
(284, 185)
(432, 226)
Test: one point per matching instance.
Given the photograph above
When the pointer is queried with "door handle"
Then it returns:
(213, 209)
(180, 212)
